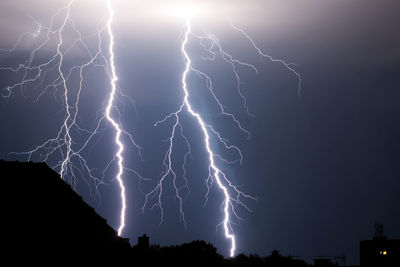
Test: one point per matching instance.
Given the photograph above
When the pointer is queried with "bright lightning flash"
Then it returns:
(116, 126)
(215, 173)
(232, 196)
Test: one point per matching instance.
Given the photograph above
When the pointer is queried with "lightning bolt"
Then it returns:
(116, 126)
(219, 176)
(232, 196)
(73, 141)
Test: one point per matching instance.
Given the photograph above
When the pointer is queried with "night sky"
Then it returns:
(322, 163)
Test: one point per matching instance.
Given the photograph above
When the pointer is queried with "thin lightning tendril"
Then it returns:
(288, 66)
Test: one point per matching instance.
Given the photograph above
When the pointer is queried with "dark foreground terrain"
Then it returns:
(44, 221)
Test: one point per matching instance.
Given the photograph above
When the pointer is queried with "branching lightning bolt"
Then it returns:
(73, 163)
(231, 194)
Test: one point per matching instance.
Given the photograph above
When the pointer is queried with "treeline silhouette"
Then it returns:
(204, 254)
(45, 221)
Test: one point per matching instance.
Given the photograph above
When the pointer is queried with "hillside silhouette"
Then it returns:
(42, 216)
(45, 221)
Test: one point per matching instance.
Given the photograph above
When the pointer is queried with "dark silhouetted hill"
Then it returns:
(42, 216)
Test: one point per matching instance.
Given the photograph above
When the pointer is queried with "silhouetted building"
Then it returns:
(143, 242)
(380, 251)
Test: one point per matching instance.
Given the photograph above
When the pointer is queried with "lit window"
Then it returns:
(383, 252)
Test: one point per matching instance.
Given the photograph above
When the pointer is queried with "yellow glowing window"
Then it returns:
(383, 252)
